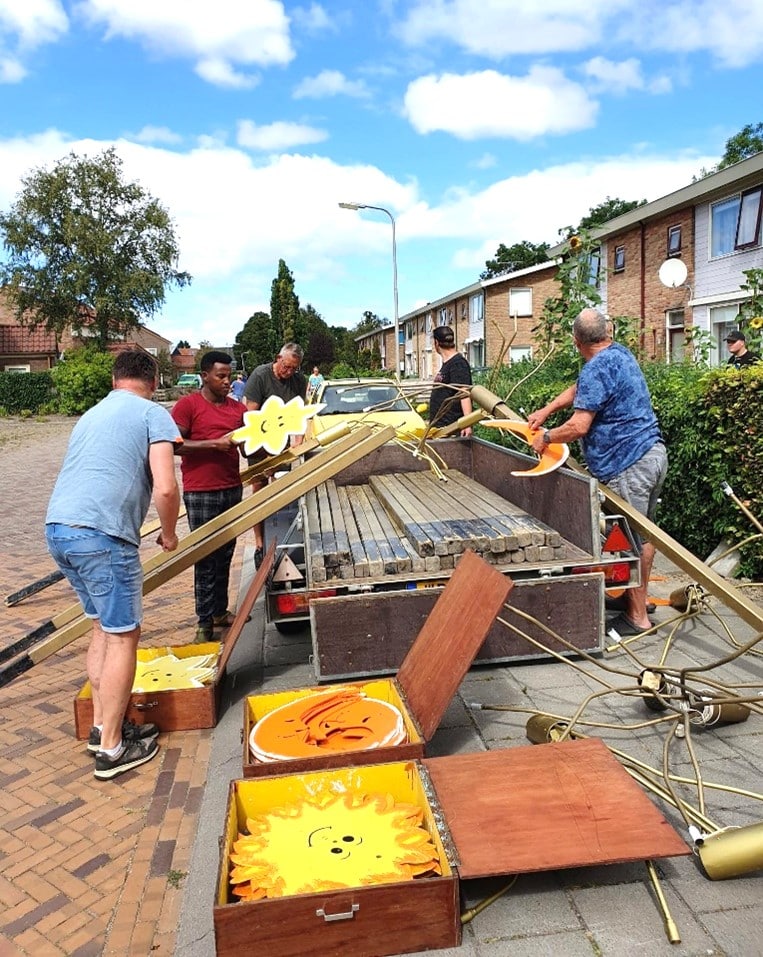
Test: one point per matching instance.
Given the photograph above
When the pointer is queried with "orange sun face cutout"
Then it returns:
(554, 455)
(324, 722)
(329, 841)
(272, 426)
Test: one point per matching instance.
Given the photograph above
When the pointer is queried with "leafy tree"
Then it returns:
(747, 142)
(320, 350)
(81, 240)
(166, 368)
(254, 344)
(284, 308)
(511, 258)
(598, 215)
(82, 378)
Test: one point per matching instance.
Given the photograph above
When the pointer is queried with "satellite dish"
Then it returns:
(673, 273)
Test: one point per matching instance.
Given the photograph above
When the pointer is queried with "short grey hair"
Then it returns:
(292, 349)
(591, 326)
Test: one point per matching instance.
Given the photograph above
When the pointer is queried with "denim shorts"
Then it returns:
(104, 571)
(641, 483)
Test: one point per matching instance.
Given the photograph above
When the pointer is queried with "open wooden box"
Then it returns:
(185, 709)
(510, 811)
(428, 678)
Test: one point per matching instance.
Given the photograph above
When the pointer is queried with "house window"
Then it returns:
(594, 267)
(152, 350)
(619, 263)
(735, 222)
(476, 308)
(674, 240)
(520, 354)
(676, 335)
(475, 353)
(17, 369)
(520, 302)
(722, 320)
(442, 317)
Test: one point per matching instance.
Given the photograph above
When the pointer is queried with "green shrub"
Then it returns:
(25, 390)
(82, 379)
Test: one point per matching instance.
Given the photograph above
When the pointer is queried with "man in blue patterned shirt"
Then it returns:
(615, 422)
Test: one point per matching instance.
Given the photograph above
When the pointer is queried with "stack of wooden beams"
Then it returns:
(413, 522)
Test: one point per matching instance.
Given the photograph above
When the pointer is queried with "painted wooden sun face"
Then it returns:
(345, 720)
(271, 427)
(331, 841)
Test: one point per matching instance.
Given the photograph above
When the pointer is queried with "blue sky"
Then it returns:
(474, 122)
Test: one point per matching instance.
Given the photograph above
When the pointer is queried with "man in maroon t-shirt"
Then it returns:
(211, 480)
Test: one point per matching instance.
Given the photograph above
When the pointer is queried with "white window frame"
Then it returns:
(745, 210)
(520, 353)
(520, 301)
(17, 369)
(723, 319)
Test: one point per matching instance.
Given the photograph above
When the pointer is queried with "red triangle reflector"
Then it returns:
(617, 540)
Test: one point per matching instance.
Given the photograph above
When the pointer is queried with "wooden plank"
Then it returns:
(340, 529)
(375, 561)
(430, 520)
(385, 549)
(390, 532)
(386, 491)
(328, 538)
(455, 515)
(357, 551)
(313, 538)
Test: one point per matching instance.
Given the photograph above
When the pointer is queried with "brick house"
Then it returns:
(23, 349)
(712, 226)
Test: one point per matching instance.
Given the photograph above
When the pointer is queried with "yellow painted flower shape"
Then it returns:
(331, 841)
(271, 426)
(171, 673)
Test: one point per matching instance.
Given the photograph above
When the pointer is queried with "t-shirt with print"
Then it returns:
(199, 419)
(625, 426)
(105, 480)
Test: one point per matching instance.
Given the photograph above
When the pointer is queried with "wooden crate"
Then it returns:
(186, 709)
(489, 814)
(434, 667)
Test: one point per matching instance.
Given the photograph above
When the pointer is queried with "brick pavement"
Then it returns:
(87, 867)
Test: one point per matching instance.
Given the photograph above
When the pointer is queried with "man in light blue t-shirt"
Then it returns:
(119, 452)
(620, 435)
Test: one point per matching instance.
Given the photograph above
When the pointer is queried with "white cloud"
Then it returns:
(486, 161)
(498, 28)
(156, 134)
(11, 70)
(494, 104)
(616, 77)
(329, 83)
(219, 72)
(226, 32)
(32, 23)
(274, 137)
(313, 19)
(732, 32)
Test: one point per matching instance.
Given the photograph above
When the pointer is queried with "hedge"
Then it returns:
(25, 391)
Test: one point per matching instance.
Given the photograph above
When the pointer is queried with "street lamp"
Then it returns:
(381, 209)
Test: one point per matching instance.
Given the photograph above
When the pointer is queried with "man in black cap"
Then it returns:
(446, 405)
(740, 354)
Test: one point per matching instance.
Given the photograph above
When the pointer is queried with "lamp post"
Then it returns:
(381, 209)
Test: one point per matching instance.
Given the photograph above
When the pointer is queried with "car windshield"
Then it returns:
(357, 399)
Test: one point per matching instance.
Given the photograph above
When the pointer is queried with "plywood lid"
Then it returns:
(452, 635)
(546, 807)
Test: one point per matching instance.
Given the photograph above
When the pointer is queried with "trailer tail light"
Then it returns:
(618, 573)
(298, 604)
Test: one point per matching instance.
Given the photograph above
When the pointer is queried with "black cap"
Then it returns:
(735, 336)
(444, 335)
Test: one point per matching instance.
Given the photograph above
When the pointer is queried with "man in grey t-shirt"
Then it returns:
(119, 452)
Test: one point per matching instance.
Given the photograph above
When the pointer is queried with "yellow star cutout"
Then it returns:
(271, 426)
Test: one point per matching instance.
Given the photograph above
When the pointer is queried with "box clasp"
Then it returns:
(342, 915)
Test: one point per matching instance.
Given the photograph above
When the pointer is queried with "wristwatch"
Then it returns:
(547, 436)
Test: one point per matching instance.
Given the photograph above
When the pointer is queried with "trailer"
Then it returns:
(368, 552)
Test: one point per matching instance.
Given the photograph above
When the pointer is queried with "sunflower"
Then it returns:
(756, 322)
(331, 841)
